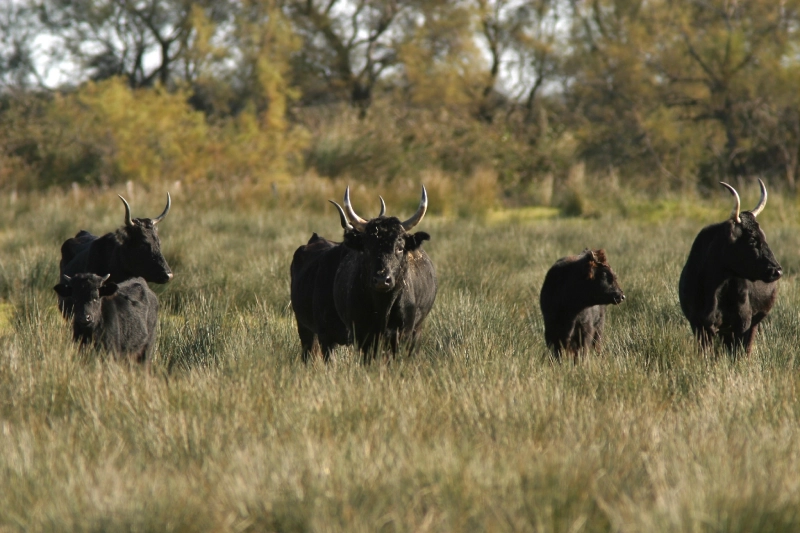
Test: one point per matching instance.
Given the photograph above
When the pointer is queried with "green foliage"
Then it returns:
(386, 146)
(107, 133)
(443, 66)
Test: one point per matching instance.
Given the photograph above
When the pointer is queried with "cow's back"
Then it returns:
(556, 289)
(305, 266)
(74, 253)
(696, 272)
(130, 319)
(307, 256)
(313, 270)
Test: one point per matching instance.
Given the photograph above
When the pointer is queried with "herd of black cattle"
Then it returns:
(376, 287)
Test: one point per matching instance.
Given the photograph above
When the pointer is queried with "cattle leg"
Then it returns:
(597, 338)
(413, 347)
(749, 337)
(597, 329)
(555, 351)
(307, 339)
(393, 339)
(326, 347)
(370, 346)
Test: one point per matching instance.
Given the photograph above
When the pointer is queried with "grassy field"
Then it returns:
(480, 432)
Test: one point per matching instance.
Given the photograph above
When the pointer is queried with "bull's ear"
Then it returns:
(591, 268)
(108, 288)
(354, 240)
(65, 291)
(415, 241)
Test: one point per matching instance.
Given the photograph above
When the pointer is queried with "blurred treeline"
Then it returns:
(523, 96)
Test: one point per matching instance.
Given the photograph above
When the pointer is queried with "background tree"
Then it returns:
(661, 94)
(719, 62)
(347, 46)
(19, 27)
(143, 40)
(442, 63)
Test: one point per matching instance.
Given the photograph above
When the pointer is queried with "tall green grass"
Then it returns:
(481, 431)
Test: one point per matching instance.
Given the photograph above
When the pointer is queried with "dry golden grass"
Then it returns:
(480, 432)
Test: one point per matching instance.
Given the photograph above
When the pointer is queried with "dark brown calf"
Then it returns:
(575, 292)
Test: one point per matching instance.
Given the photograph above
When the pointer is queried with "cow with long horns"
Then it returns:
(384, 290)
(730, 280)
(130, 251)
(313, 270)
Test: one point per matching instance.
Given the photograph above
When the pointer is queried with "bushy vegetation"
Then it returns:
(664, 96)
(481, 431)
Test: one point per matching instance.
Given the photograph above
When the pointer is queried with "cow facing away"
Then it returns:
(730, 280)
(573, 300)
(119, 318)
(134, 250)
(385, 289)
(313, 270)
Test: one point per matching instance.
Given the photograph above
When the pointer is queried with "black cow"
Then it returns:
(729, 282)
(313, 269)
(120, 318)
(575, 292)
(384, 290)
(132, 250)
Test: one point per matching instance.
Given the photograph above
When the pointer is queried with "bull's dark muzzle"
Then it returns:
(773, 274)
(163, 278)
(84, 320)
(382, 282)
(619, 298)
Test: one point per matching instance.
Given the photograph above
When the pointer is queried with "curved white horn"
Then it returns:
(342, 217)
(358, 223)
(417, 217)
(105, 278)
(383, 207)
(737, 206)
(128, 219)
(763, 201)
(160, 217)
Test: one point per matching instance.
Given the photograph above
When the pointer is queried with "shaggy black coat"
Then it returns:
(119, 318)
(313, 269)
(385, 289)
(729, 282)
(574, 294)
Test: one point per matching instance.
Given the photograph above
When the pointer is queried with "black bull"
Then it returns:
(133, 250)
(729, 282)
(374, 288)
